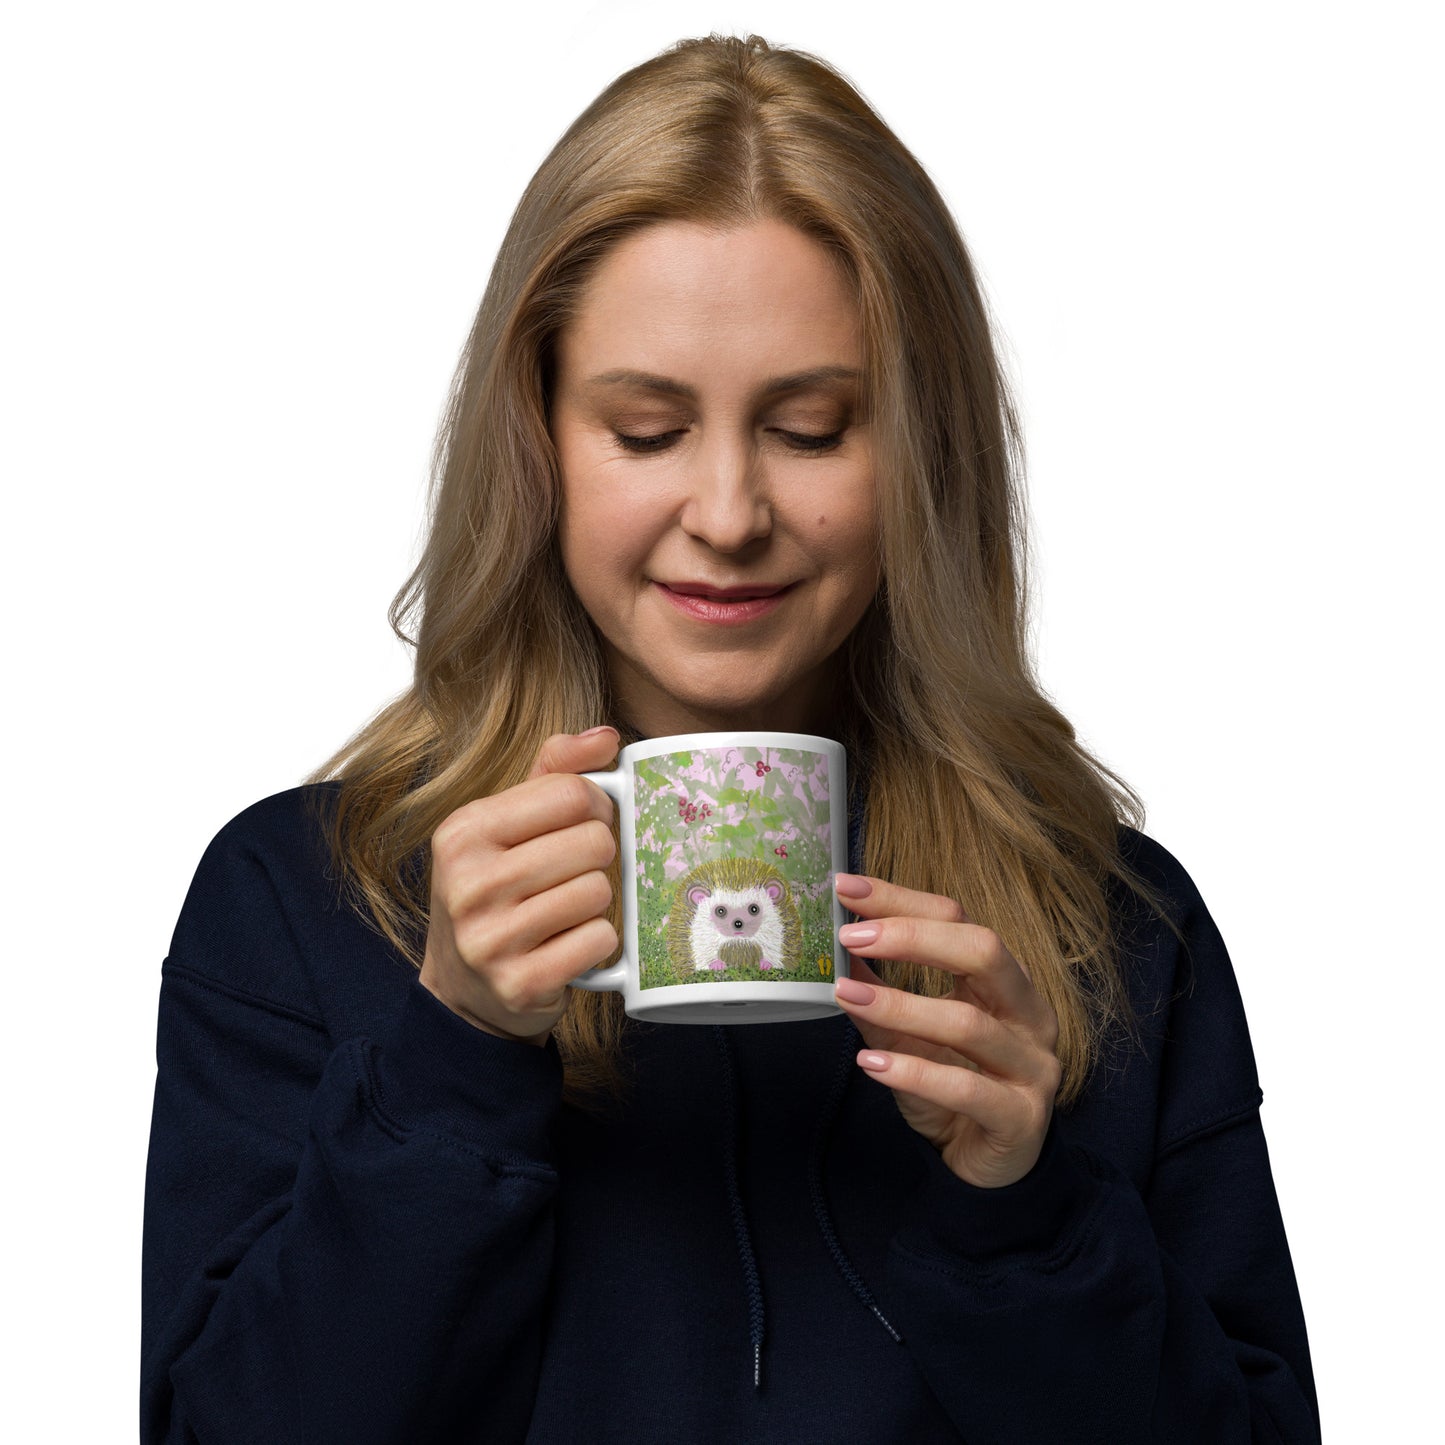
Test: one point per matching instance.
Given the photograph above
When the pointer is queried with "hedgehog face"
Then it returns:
(736, 914)
(737, 922)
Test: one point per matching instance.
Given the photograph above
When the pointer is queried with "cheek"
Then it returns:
(844, 536)
(589, 555)
(586, 525)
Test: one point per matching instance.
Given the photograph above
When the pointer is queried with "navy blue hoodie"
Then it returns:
(367, 1220)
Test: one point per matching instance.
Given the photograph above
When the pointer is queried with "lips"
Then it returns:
(704, 602)
(741, 593)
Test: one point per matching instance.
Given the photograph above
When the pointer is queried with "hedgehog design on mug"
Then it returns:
(734, 913)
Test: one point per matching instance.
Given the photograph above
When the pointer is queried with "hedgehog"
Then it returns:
(734, 913)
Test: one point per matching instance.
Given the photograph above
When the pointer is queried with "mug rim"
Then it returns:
(743, 738)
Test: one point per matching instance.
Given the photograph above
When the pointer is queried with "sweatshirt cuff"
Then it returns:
(437, 1072)
(1032, 1216)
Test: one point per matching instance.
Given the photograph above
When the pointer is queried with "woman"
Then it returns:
(405, 1185)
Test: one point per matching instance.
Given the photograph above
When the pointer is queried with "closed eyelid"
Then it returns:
(647, 420)
(809, 421)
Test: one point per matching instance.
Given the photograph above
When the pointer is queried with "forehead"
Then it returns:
(695, 302)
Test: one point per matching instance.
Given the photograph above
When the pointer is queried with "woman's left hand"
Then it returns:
(974, 1073)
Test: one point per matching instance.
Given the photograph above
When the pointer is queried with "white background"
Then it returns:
(244, 246)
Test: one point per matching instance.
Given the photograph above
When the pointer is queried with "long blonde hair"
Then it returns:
(976, 786)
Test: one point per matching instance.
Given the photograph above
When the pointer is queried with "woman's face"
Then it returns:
(718, 503)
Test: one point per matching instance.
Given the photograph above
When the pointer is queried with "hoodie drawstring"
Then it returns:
(852, 1041)
(757, 1319)
(754, 1284)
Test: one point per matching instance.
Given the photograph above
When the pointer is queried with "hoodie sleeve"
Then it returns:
(1072, 1306)
(342, 1241)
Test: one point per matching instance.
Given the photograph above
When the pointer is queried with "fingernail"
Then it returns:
(850, 885)
(876, 1062)
(853, 991)
(860, 933)
(592, 732)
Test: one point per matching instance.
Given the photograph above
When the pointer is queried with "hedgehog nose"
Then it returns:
(737, 923)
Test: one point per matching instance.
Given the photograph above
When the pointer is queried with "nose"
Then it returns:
(727, 505)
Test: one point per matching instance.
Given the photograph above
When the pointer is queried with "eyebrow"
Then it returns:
(666, 386)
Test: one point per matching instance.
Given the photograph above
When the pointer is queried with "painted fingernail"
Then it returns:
(874, 1062)
(850, 885)
(854, 991)
(859, 933)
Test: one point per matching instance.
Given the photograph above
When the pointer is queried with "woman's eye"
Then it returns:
(807, 442)
(661, 441)
(656, 442)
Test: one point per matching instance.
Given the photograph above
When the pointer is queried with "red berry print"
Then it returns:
(781, 851)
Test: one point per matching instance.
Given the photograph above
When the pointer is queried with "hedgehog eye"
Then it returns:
(752, 907)
(720, 911)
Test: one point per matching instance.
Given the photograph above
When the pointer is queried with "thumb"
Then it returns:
(577, 752)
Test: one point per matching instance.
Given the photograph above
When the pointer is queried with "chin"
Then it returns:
(776, 711)
(716, 692)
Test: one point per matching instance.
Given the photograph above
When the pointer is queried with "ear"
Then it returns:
(698, 894)
(773, 889)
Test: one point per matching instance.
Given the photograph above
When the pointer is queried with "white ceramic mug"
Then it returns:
(729, 845)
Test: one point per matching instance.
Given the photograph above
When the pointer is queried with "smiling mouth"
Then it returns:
(743, 593)
(723, 604)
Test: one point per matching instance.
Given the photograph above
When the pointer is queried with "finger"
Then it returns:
(976, 955)
(874, 1034)
(530, 868)
(996, 1107)
(577, 752)
(526, 926)
(539, 980)
(539, 806)
(994, 1047)
(874, 898)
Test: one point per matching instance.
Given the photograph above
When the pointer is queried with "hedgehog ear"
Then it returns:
(774, 889)
(698, 894)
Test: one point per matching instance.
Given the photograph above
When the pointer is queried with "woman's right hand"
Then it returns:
(518, 893)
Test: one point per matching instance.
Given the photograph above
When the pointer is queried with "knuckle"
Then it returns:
(461, 830)
(599, 846)
(573, 794)
(899, 934)
(587, 945)
(445, 893)
(1040, 1112)
(446, 841)
(989, 947)
(970, 1024)
(550, 753)
(605, 934)
(509, 990)
(475, 939)
(1050, 1029)
(596, 891)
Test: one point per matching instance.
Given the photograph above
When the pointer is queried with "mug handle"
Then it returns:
(612, 979)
